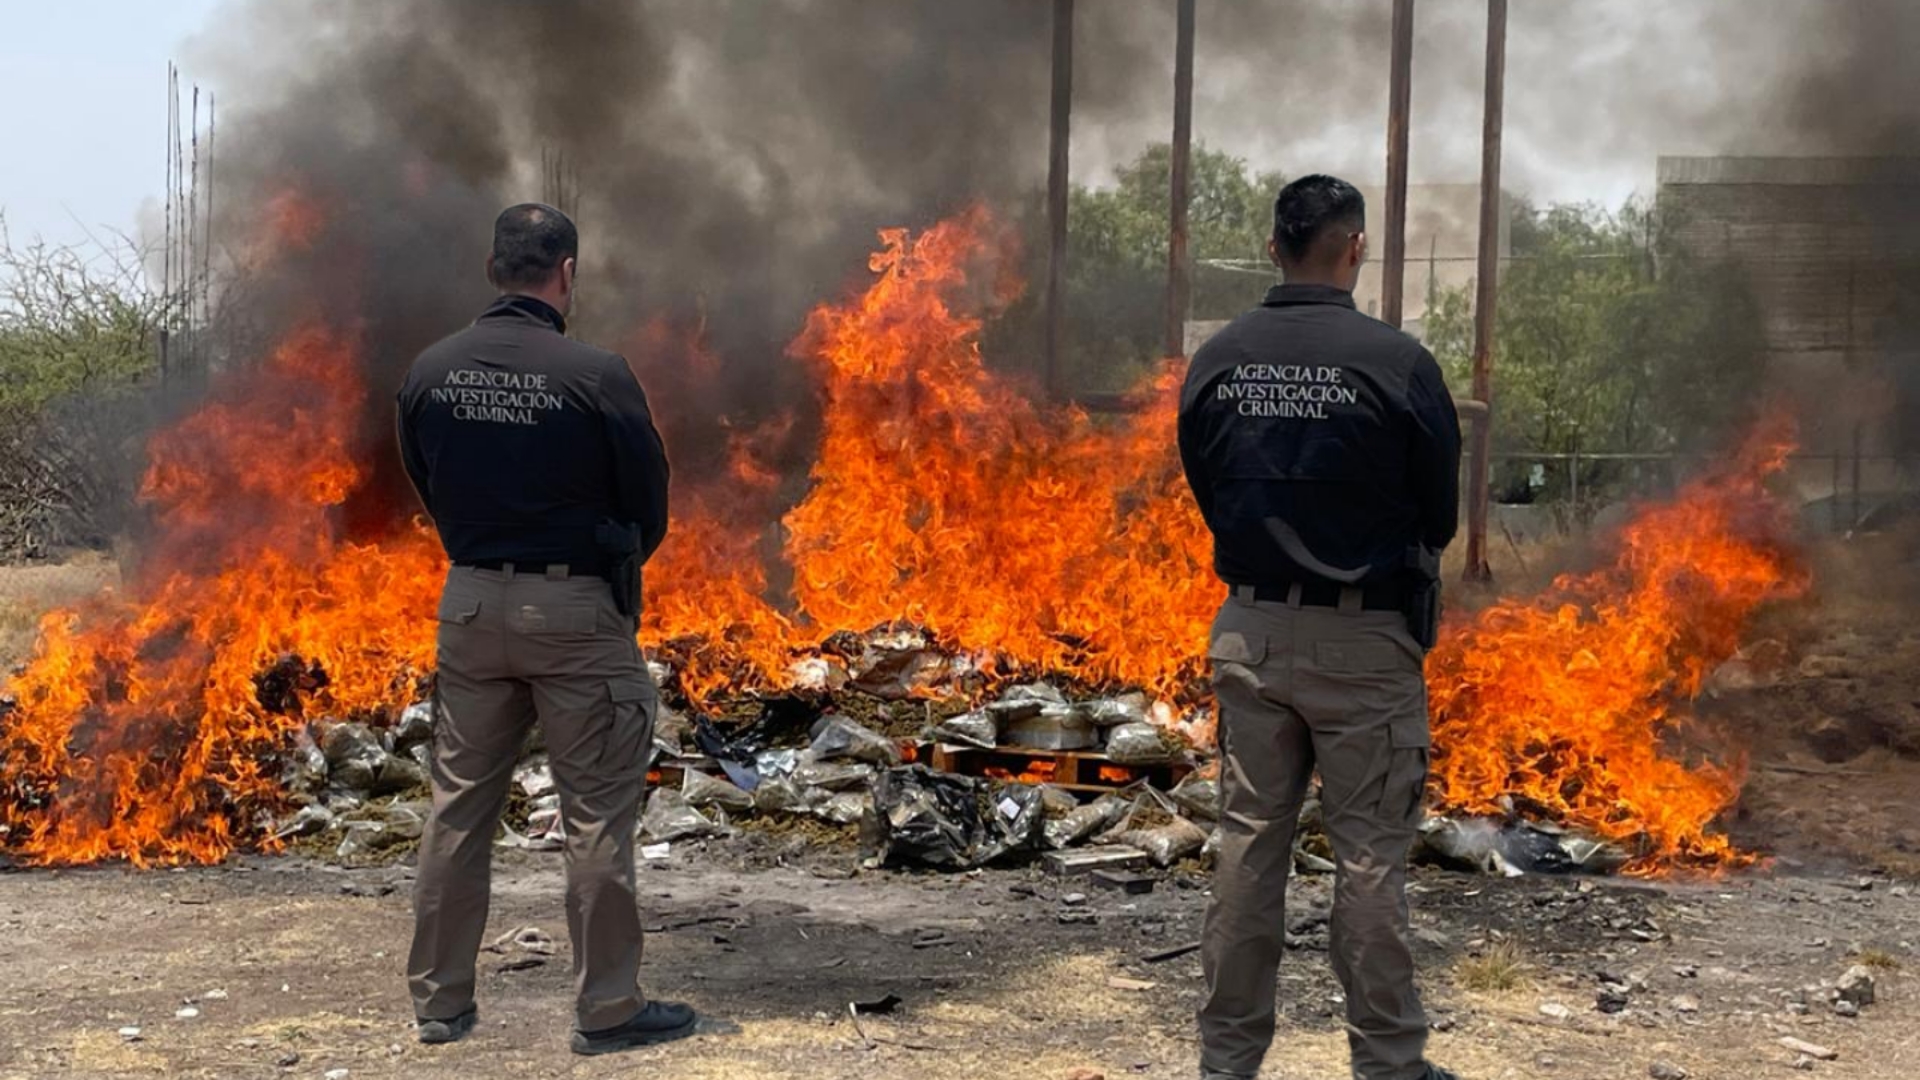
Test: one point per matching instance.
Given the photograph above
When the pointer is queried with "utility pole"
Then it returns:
(1393, 269)
(1486, 292)
(1179, 266)
(1057, 190)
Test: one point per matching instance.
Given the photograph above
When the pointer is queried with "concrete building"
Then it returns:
(1831, 250)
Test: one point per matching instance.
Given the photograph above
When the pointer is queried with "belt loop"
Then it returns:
(1243, 594)
(1351, 600)
(1293, 595)
(557, 572)
(506, 568)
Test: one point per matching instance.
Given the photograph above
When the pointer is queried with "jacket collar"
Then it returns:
(525, 309)
(1284, 295)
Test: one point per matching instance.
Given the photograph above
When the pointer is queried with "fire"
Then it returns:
(1563, 704)
(1037, 540)
(140, 731)
(1038, 771)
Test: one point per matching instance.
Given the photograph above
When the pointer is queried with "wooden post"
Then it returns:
(1179, 266)
(1486, 292)
(1393, 267)
(1057, 190)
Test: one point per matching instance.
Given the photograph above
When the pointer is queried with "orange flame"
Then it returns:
(139, 726)
(1037, 539)
(1563, 703)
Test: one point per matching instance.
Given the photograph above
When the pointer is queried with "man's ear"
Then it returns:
(567, 268)
(1358, 254)
(490, 280)
(1273, 251)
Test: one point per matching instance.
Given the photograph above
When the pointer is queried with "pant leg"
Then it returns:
(480, 721)
(1265, 762)
(597, 704)
(1363, 693)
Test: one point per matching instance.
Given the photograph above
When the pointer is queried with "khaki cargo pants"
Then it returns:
(514, 648)
(1343, 690)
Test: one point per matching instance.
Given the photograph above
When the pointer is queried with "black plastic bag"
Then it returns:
(925, 817)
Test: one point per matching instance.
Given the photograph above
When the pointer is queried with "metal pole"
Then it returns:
(1057, 190)
(1393, 269)
(1486, 291)
(1179, 267)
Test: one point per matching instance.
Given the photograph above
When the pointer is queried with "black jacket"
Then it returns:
(1316, 438)
(521, 441)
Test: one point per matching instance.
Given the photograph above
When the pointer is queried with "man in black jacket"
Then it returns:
(537, 458)
(1324, 452)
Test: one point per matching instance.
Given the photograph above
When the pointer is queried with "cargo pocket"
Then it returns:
(457, 609)
(1412, 744)
(631, 733)
(1234, 654)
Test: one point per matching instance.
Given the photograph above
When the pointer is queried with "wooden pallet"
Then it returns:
(1082, 771)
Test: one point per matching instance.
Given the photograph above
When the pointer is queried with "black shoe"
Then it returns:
(435, 1032)
(1435, 1072)
(659, 1022)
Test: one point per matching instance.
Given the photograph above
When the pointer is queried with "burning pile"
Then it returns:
(1028, 542)
(1561, 707)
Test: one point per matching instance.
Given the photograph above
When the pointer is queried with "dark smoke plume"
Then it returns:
(735, 156)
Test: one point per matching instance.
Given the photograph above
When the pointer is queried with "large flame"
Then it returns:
(1562, 706)
(1032, 540)
(140, 730)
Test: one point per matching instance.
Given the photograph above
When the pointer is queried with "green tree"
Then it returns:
(1606, 340)
(1117, 261)
(73, 321)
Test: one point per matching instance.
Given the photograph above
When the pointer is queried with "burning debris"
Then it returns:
(1038, 583)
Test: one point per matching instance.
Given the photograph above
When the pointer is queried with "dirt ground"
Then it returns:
(294, 962)
(291, 967)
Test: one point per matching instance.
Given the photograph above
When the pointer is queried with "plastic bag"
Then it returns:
(705, 792)
(842, 737)
(1077, 825)
(355, 758)
(1513, 848)
(546, 830)
(923, 816)
(975, 729)
(306, 770)
(1141, 743)
(831, 775)
(1112, 712)
(781, 795)
(1199, 798)
(1058, 801)
(1016, 818)
(669, 818)
(1166, 844)
(845, 808)
(534, 776)
(1025, 701)
(415, 727)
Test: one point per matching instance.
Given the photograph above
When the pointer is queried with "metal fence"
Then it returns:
(1837, 491)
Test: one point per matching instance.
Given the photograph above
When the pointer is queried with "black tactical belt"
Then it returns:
(531, 569)
(1378, 596)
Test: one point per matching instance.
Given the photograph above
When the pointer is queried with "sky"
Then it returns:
(87, 132)
(86, 144)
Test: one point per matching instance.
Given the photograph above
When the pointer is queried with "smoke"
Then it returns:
(734, 157)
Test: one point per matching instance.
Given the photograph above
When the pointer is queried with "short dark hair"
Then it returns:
(530, 241)
(1310, 205)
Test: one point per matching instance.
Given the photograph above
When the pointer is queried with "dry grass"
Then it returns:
(29, 592)
(1498, 969)
(1879, 959)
